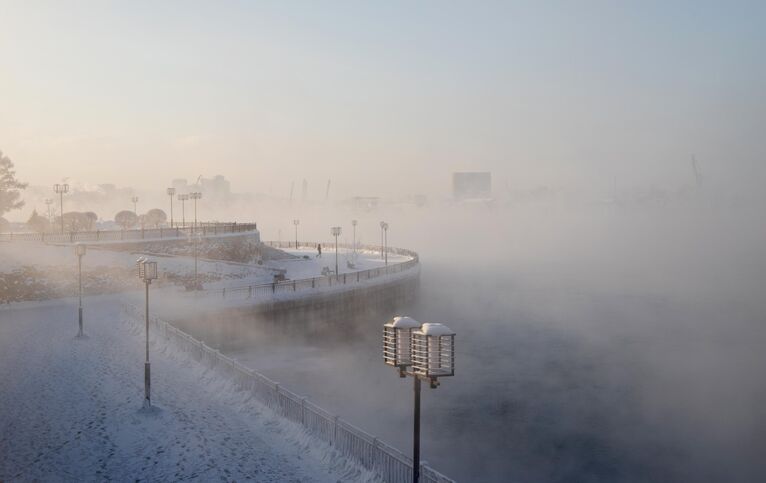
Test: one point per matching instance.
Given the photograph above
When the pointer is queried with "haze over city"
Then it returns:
(357, 241)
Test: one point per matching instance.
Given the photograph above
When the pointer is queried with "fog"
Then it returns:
(608, 295)
(596, 342)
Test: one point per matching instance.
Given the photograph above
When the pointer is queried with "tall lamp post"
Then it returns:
(49, 202)
(195, 196)
(425, 352)
(60, 189)
(384, 241)
(336, 233)
(296, 223)
(135, 203)
(196, 238)
(171, 192)
(354, 223)
(79, 250)
(182, 199)
(147, 271)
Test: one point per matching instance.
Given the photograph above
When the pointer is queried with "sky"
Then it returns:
(384, 98)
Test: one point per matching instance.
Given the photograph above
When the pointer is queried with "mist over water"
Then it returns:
(594, 344)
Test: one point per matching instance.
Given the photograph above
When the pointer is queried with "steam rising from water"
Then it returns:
(594, 343)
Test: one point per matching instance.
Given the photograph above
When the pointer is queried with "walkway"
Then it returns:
(69, 410)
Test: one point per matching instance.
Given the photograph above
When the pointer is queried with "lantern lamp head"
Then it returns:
(150, 270)
(433, 352)
(140, 267)
(171, 191)
(397, 341)
(80, 249)
(336, 230)
(61, 188)
(147, 270)
(354, 222)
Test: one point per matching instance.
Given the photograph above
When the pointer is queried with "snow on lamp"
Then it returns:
(433, 352)
(397, 341)
(80, 249)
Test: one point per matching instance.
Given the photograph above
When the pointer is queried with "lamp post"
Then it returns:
(336, 233)
(182, 199)
(49, 202)
(196, 238)
(135, 203)
(79, 250)
(296, 223)
(425, 352)
(384, 241)
(171, 192)
(354, 223)
(195, 196)
(60, 189)
(147, 271)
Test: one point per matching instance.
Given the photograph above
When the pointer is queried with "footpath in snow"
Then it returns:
(70, 410)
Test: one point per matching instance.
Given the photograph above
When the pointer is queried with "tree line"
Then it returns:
(10, 199)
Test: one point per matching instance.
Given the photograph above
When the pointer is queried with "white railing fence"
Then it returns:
(370, 452)
(202, 228)
(267, 290)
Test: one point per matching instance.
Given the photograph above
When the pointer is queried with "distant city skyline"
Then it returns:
(397, 95)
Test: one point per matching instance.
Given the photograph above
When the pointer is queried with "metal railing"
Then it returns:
(370, 452)
(161, 233)
(268, 290)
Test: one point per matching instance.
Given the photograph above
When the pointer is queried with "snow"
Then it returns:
(70, 409)
(405, 323)
(311, 265)
(436, 329)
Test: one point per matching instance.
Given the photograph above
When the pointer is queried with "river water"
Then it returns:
(583, 366)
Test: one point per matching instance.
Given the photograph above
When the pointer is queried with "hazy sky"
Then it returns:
(137, 93)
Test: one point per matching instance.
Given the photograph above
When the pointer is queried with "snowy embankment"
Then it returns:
(69, 410)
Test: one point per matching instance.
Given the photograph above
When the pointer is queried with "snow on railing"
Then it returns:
(392, 465)
(202, 228)
(268, 290)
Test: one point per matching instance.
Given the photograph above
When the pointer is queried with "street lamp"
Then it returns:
(196, 237)
(384, 241)
(195, 196)
(296, 223)
(49, 202)
(171, 192)
(135, 202)
(147, 271)
(336, 233)
(429, 351)
(182, 199)
(79, 250)
(354, 223)
(60, 189)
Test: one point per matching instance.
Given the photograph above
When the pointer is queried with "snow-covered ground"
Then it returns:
(70, 409)
(34, 271)
(308, 265)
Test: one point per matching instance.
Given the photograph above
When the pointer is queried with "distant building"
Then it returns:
(217, 187)
(472, 185)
